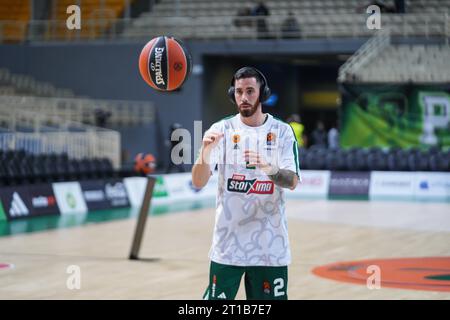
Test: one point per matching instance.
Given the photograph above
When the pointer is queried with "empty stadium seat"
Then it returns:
(356, 160)
(20, 167)
(397, 161)
(335, 160)
(377, 161)
(439, 161)
(315, 159)
(418, 161)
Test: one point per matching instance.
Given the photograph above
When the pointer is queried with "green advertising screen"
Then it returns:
(395, 116)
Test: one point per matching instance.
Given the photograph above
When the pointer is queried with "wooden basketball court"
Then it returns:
(321, 232)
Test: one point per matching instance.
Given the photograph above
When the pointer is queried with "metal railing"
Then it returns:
(229, 27)
(367, 51)
(37, 133)
(28, 85)
(122, 112)
(399, 63)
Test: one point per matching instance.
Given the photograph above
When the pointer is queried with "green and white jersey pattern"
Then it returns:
(251, 227)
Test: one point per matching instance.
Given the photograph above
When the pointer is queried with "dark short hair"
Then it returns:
(248, 73)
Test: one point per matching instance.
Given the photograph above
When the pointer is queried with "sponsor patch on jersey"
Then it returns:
(236, 139)
(266, 287)
(238, 183)
(270, 138)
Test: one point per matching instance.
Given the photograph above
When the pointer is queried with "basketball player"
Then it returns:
(257, 157)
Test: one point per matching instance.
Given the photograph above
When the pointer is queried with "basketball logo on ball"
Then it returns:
(165, 63)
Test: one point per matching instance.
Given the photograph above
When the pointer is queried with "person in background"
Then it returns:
(290, 28)
(242, 19)
(333, 137)
(261, 11)
(400, 6)
(319, 136)
(295, 122)
(101, 117)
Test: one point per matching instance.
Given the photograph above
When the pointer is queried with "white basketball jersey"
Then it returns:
(251, 227)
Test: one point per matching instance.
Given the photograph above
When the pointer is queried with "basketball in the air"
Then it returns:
(165, 63)
(144, 163)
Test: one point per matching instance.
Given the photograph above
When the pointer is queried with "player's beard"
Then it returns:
(248, 112)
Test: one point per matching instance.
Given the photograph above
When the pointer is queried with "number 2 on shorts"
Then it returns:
(278, 287)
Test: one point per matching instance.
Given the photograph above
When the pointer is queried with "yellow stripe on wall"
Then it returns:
(321, 99)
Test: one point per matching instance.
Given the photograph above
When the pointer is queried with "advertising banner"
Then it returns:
(349, 184)
(28, 201)
(43, 200)
(116, 193)
(432, 186)
(314, 184)
(15, 202)
(94, 194)
(135, 187)
(179, 186)
(99, 194)
(392, 185)
(395, 115)
(69, 197)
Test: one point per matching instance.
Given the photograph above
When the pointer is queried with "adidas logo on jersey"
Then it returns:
(222, 296)
(238, 184)
(18, 207)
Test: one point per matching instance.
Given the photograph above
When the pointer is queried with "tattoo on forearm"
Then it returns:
(283, 178)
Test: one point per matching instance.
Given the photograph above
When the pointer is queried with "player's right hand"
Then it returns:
(210, 140)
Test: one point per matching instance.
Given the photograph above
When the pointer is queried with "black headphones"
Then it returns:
(264, 90)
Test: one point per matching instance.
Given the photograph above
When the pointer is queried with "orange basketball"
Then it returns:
(165, 63)
(144, 163)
